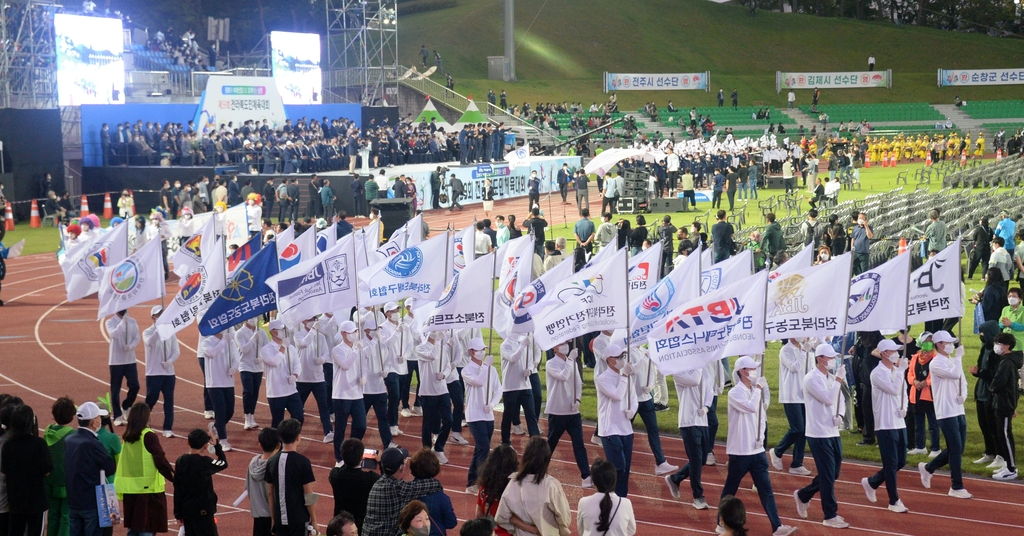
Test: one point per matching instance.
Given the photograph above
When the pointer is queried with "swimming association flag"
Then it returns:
(198, 291)
(137, 279)
(321, 284)
(245, 296)
(416, 272)
(83, 266)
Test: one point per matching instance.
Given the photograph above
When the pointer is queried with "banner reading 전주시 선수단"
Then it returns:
(656, 81)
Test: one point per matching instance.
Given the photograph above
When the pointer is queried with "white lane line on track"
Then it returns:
(20, 281)
(36, 291)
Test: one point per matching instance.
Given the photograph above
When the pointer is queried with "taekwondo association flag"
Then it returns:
(644, 268)
(301, 249)
(197, 293)
(515, 271)
(234, 225)
(190, 255)
(464, 247)
(727, 272)
(678, 287)
(597, 302)
(463, 305)
(326, 238)
(803, 259)
(810, 302)
(868, 311)
(519, 158)
(136, 279)
(726, 322)
(238, 257)
(417, 272)
(522, 321)
(324, 283)
(83, 266)
(245, 296)
(935, 288)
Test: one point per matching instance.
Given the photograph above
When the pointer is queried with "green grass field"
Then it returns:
(564, 47)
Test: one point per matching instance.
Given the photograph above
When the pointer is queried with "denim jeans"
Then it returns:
(223, 399)
(514, 400)
(828, 458)
(954, 429)
(753, 189)
(933, 428)
(892, 445)
(757, 466)
(85, 522)
(207, 402)
(278, 405)
(619, 451)
(743, 190)
(436, 409)
(482, 432)
(573, 425)
(251, 382)
(794, 437)
(693, 440)
(119, 373)
(343, 409)
(323, 405)
(709, 441)
(157, 386)
(379, 404)
(650, 419)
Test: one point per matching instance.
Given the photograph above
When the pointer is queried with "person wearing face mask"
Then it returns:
(793, 366)
(860, 241)
(748, 423)
(435, 355)
(347, 395)
(616, 406)
(565, 389)
(921, 402)
(1001, 259)
(643, 385)
(517, 353)
(824, 254)
(821, 399)
(1012, 317)
(282, 371)
(1005, 396)
(984, 370)
(394, 341)
(250, 339)
(84, 458)
(314, 353)
(160, 377)
(889, 405)
(483, 392)
(376, 363)
(949, 391)
(222, 360)
(693, 427)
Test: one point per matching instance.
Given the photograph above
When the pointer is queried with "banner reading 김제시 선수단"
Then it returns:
(843, 80)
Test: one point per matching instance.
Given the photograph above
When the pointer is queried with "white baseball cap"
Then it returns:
(275, 324)
(613, 350)
(157, 309)
(347, 326)
(825, 350)
(745, 362)
(943, 336)
(476, 343)
(89, 411)
(390, 306)
(887, 346)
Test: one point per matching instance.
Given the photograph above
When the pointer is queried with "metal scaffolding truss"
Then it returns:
(362, 51)
(28, 57)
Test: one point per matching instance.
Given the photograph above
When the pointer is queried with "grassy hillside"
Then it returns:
(572, 43)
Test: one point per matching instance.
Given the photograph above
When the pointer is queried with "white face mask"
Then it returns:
(893, 357)
(824, 256)
(1013, 301)
(563, 349)
(349, 337)
(999, 348)
(752, 376)
(948, 348)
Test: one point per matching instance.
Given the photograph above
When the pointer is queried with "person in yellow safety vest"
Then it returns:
(141, 473)
(980, 146)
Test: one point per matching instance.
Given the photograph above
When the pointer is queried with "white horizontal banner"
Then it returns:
(980, 77)
(840, 80)
(655, 81)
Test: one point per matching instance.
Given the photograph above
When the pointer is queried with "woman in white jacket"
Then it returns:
(534, 502)
(605, 513)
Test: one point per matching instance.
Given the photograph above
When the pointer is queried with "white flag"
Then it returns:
(367, 239)
(935, 289)
(198, 290)
(394, 245)
(522, 320)
(233, 225)
(602, 255)
(678, 287)
(724, 323)
(301, 249)
(283, 239)
(590, 303)
(190, 255)
(519, 158)
(803, 259)
(810, 302)
(324, 283)
(515, 271)
(417, 272)
(464, 249)
(725, 273)
(467, 301)
(14, 251)
(644, 269)
(327, 238)
(706, 258)
(83, 266)
(868, 310)
(134, 280)
(414, 230)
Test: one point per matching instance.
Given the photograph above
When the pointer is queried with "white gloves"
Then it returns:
(630, 414)
(362, 381)
(400, 360)
(841, 372)
(903, 364)
(647, 390)
(488, 408)
(576, 406)
(573, 354)
(961, 399)
(903, 413)
(702, 411)
(959, 352)
(383, 375)
(627, 370)
(762, 383)
(837, 421)
(489, 360)
(292, 379)
(440, 376)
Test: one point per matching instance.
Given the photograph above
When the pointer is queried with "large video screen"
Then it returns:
(90, 68)
(295, 60)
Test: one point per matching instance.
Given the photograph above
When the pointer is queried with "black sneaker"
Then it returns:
(661, 407)
(866, 443)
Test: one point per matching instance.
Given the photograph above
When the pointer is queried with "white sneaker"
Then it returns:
(119, 421)
(457, 439)
(339, 465)
(168, 434)
(700, 504)
(836, 523)
(393, 445)
(518, 430)
(916, 452)
(719, 529)
(784, 530)
(433, 439)
(596, 441)
(959, 493)
(898, 508)
(405, 413)
(225, 445)
(710, 459)
(986, 459)
(329, 438)
(801, 507)
(934, 454)
(417, 411)
(587, 483)
(665, 468)
(673, 488)
(997, 463)
(868, 490)
(1006, 474)
(473, 490)
(441, 458)
(999, 471)
(208, 415)
(395, 431)
(250, 422)
(776, 461)
(800, 471)
(926, 477)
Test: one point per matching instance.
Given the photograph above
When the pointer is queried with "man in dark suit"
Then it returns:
(234, 192)
(105, 144)
(315, 208)
(84, 458)
(293, 193)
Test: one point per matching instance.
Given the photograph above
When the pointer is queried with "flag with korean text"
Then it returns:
(514, 272)
(679, 286)
(522, 320)
(810, 302)
(190, 254)
(466, 302)
(323, 283)
(644, 268)
(935, 288)
(416, 272)
(245, 296)
(198, 291)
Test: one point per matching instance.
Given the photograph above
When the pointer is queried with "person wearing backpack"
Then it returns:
(812, 230)
(772, 241)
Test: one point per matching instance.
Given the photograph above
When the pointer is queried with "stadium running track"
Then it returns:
(52, 348)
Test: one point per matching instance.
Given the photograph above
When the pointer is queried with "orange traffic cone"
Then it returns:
(893, 159)
(84, 211)
(928, 159)
(867, 160)
(8, 217)
(999, 154)
(885, 159)
(963, 158)
(903, 245)
(34, 221)
(108, 208)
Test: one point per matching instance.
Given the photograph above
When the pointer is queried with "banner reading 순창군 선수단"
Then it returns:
(238, 99)
(655, 81)
(980, 77)
(847, 80)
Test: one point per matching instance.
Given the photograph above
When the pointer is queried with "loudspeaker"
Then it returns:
(667, 204)
(775, 183)
(394, 213)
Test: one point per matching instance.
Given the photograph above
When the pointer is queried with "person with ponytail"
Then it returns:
(732, 516)
(534, 501)
(605, 513)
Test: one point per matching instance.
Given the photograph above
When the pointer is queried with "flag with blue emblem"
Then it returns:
(647, 309)
(198, 291)
(83, 265)
(327, 238)
(131, 281)
(519, 158)
(245, 296)
(416, 272)
(324, 283)
(463, 304)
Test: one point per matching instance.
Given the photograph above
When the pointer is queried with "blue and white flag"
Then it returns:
(519, 158)
(417, 272)
(326, 238)
(324, 283)
(522, 320)
(678, 287)
(727, 272)
(198, 291)
(869, 311)
(468, 300)
(514, 273)
(245, 296)
(190, 254)
(935, 288)
(464, 250)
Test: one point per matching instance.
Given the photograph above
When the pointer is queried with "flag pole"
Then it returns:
(629, 379)
(490, 336)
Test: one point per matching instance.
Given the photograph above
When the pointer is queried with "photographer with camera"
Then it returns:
(353, 481)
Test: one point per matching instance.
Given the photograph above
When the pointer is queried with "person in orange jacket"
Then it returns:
(920, 380)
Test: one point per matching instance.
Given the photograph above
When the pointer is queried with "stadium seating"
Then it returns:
(1009, 127)
(994, 109)
(876, 113)
(725, 116)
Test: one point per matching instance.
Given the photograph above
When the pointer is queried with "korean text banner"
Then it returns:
(980, 77)
(810, 302)
(238, 99)
(935, 288)
(90, 67)
(295, 61)
(655, 81)
(723, 323)
(847, 80)
(507, 182)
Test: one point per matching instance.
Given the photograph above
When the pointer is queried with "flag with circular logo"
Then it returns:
(878, 298)
(137, 279)
(198, 291)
